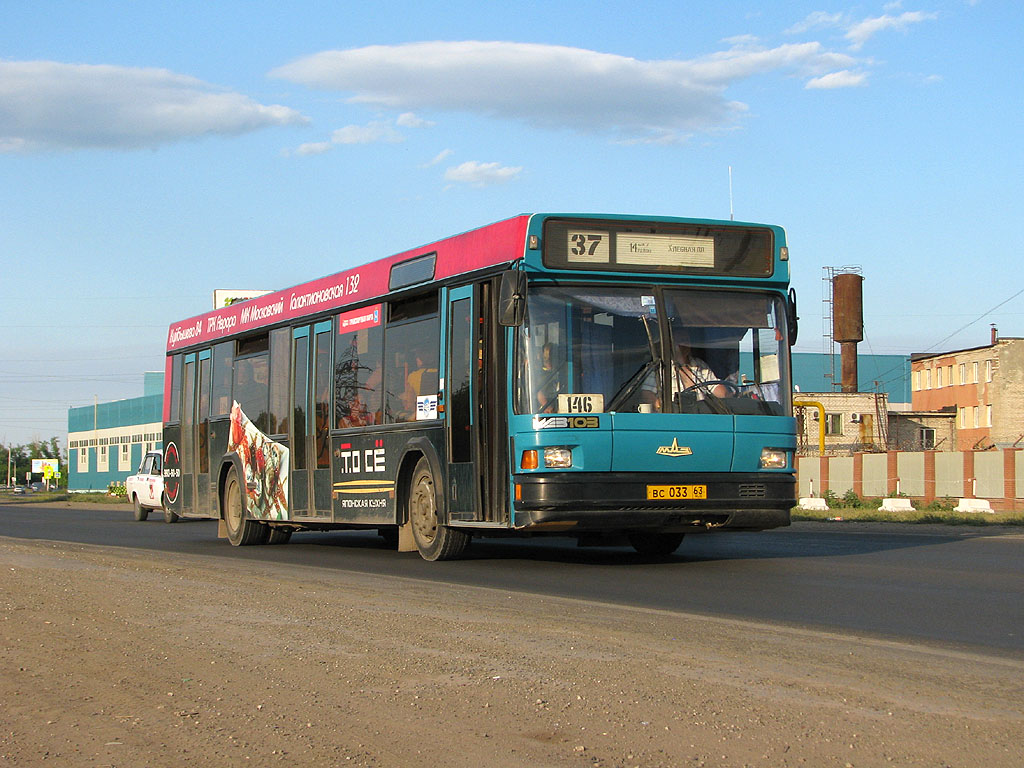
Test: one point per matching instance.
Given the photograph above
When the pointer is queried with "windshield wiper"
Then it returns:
(632, 385)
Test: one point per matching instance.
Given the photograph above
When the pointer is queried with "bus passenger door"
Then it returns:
(464, 353)
(312, 383)
(202, 438)
(195, 434)
(188, 435)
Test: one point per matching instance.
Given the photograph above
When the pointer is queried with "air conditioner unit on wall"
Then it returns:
(855, 418)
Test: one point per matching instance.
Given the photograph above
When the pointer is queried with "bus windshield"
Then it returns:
(642, 349)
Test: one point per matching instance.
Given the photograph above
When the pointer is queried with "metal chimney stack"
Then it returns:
(848, 323)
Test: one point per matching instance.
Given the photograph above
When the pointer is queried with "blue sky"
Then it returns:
(151, 152)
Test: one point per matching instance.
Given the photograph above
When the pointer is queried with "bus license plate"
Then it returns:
(671, 492)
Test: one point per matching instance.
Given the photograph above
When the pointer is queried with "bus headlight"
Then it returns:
(774, 458)
(557, 458)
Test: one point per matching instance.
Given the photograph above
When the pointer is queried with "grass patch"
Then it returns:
(851, 507)
(62, 495)
(37, 496)
(939, 516)
(97, 498)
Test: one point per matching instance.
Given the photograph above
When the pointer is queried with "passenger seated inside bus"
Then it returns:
(420, 381)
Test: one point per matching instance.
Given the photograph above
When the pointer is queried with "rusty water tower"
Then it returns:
(848, 323)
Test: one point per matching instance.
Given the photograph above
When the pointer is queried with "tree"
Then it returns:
(19, 458)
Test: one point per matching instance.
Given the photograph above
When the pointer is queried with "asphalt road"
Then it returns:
(953, 586)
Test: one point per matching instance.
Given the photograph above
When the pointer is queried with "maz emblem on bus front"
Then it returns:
(674, 450)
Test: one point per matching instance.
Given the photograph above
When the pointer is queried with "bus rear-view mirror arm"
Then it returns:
(791, 316)
(512, 298)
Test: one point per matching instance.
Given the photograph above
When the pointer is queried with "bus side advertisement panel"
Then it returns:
(366, 468)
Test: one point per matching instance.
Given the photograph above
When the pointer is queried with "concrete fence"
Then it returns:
(922, 475)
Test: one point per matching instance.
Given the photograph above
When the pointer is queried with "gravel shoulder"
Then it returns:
(114, 658)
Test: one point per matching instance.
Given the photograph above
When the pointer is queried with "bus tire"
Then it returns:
(655, 544)
(170, 516)
(278, 535)
(242, 532)
(141, 513)
(433, 540)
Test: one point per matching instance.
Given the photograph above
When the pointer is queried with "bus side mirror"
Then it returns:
(512, 298)
(791, 316)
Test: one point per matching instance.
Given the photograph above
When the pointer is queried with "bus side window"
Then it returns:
(223, 355)
(411, 346)
(358, 375)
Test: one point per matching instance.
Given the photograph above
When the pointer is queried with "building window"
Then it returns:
(977, 416)
(83, 457)
(988, 370)
(938, 378)
(103, 456)
(949, 371)
(927, 437)
(915, 381)
(833, 423)
(124, 460)
(963, 373)
(974, 371)
(988, 415)
(928, 379)
(963, 418)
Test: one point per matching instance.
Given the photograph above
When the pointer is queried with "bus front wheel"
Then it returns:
(241, 531)
(655, 544)
(433, 540)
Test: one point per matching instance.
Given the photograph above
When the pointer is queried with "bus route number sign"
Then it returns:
(588, 247)
(581, 403)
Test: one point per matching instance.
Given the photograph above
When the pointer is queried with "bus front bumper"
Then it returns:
(619, 501)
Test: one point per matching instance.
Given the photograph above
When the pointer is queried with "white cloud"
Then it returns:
(860, 33)
(557, 86)
(842, 79)
(314, 148)
(481, 174)
(373, 132)
(816, 20)
(439, 158)
(410, 120)
(52, 105)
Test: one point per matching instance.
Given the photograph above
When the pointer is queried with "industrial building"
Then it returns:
(106, 441)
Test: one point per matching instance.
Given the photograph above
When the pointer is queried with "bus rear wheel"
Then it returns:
(655, 544)
(170, 516)
(433, 540)
(278, 535)
(241, 531)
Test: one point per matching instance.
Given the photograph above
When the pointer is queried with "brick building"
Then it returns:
(854, 421)
(982, 386)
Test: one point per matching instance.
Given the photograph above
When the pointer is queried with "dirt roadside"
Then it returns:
(115, 659)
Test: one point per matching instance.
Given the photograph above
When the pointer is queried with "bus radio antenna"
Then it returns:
(731, 217)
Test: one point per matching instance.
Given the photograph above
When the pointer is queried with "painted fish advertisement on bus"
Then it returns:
(266, 468)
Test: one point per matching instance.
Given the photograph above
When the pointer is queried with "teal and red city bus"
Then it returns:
(603, 377)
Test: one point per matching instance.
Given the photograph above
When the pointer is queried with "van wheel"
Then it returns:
(433, 540)
(241, 531)
(655, 544)
(141, 513)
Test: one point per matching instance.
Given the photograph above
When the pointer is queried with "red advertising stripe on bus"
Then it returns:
(497, 243)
